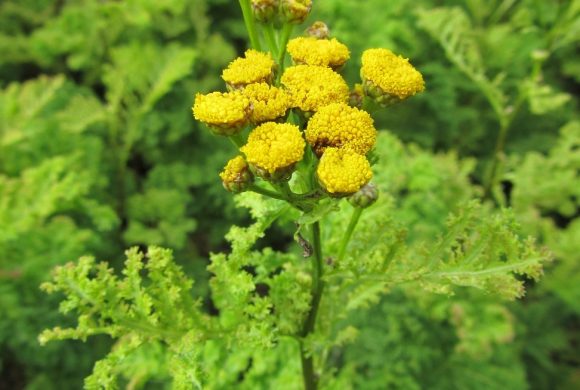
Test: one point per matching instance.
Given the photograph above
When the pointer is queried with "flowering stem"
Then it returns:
(269, 33)
(286, 32)
(250, 24)
(237, 140)
(310, 380)
(356, 213)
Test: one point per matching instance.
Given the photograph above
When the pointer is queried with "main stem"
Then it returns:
(497, 156)
(310, 379)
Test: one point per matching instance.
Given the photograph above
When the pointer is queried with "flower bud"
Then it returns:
(265, 10)
(364, 197)
(236, 176)
(318, 30)
(356, 97)
(295, 11)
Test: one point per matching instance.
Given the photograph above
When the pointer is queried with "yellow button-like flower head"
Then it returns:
(339, 125)
(313, 87)
(268, 103)
(343, 172)
(236, 176)
(273, 149)
(255, 67)
(388, 77)
(322, 52)
(224, 113)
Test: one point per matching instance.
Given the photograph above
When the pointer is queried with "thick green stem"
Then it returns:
(271, 39)
(250, 24)
(237, 140)
(310, 379)
(497, 157)
(356, 213)
(286, 32)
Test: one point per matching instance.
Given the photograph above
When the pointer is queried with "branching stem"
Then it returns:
(250, 24)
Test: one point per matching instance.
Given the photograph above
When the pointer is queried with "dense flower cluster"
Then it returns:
(255, 67)
(273, 149)
(268, 103)
(322, 52)
(313, 87)
(389, 76)
(339, 125)
(343, 171)
(327, 122)
(224, 113)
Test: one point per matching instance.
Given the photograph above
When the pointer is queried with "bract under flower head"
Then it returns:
(322, 52)
(268, 103)
(342, 171)
(273, 149)
(236, 176)
(388, 75)
(339, 125)
(255, 67)
(224, 113)
(312, 87)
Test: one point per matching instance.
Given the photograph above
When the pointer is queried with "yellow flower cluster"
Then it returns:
(313, 87)
(274, 147)
(236, 176)
(268, 103)
(342, 171)
(224, 113)
(339, 125)
(390, 74)
(255, 67)
(322, 52)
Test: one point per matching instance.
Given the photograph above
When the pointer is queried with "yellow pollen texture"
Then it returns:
(322, 52)
(312, 87)
(393, 74)
(272, 146)
(343, 171)
(217, 108)
(339, 125)
(233, 169)
(255, 67)
(268, 103)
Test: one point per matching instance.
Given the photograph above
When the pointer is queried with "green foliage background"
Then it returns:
(99, 152)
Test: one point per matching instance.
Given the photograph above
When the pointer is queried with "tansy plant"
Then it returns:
(305, 149)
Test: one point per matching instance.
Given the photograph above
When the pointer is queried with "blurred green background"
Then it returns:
(99, 152)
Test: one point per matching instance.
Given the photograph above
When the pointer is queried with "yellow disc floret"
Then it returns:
(343, 171)
(255, 67)
(313, 87)
(225, 113)
(323, 52)
(390, 74)
(268, 103)
(274, 148)
(236, 176)
(339, 125)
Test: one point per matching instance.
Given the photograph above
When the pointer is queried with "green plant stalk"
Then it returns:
(237, 140)
(250, 24)
(271, 39)
(356, 213)
(310, 380)
(286, 32)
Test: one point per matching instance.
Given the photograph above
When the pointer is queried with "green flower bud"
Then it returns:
(318, 30)
(364, 197)
(265, 10)
(295, 11)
